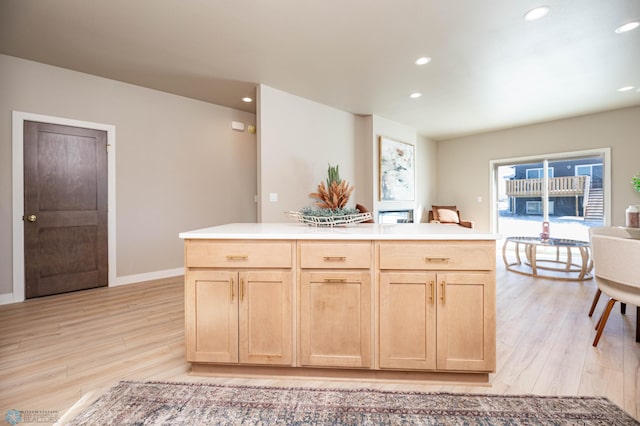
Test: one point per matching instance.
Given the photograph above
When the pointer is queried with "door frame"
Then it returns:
(17, 165)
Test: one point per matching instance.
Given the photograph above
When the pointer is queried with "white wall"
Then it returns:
(297, 140)
(426, 175)
(365, 166)
(463, 163)
(179, 166)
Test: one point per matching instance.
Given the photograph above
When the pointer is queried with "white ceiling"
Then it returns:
(490, 68)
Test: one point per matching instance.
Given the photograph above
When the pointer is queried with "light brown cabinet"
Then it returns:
(369, 308)
(465, 336)
(211, 313)
(335, 304)
(335, 319)
(407, 334)
(436, 310)
(239, 316)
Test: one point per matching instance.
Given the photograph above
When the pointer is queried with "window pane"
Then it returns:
(583, 170)
(534, 173)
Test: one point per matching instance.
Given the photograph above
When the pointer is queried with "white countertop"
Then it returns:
(363, 231)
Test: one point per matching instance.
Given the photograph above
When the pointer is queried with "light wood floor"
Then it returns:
(63, 351)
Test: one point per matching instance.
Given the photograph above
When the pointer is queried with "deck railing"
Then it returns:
(564, 186)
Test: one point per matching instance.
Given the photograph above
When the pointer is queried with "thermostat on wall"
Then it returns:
(237, 125)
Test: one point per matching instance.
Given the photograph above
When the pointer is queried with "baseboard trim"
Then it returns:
(6, 298)
(148, 276)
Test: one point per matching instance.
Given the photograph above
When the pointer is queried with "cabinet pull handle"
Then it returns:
(433, 288)
(437, 259)
(335, 280)
(444, 290)
(231, 287)
(335, 258)
(237, 257)
(241, 289)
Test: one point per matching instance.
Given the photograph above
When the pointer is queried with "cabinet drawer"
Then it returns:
(337, 277)
(343, 255)
(438, 255)
(238, 254)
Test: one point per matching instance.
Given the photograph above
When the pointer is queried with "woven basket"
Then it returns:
(329, 221)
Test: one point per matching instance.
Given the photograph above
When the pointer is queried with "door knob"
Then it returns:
(31, 218)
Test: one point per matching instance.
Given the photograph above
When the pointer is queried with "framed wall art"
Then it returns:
(397, 170)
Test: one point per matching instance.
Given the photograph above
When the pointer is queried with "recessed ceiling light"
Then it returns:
(626, 88)
(628, 27)
(423, 60)
(415, 95)
(247, 99)
(536, 13)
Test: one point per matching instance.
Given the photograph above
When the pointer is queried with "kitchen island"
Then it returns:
(390, 301)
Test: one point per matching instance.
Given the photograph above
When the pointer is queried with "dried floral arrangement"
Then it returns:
(331, 203)
(335, 194)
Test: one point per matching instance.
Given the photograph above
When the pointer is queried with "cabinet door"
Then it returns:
(407, 336)
(211, 316)
(265, 317)
(466, 326)
(335, 319)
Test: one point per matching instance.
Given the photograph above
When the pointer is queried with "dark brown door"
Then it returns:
(65, 209)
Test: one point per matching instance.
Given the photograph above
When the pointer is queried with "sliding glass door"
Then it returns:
(567, 190)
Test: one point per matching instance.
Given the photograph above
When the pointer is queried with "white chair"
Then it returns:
(616, 261)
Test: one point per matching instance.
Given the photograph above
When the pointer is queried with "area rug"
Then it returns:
(162, 403)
